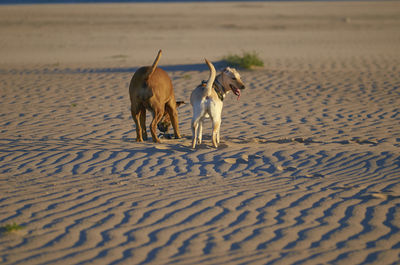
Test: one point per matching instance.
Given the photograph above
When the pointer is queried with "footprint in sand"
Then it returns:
(313, 175)
(230, 160)
(281, 168)
(384, 196)
(243, 159)
(162, 147)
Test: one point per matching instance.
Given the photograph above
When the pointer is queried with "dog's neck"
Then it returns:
(219, 88)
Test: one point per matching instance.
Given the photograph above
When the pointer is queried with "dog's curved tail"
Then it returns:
(152, 68)
(211, 79)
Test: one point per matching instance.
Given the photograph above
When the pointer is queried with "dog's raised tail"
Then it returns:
(154, 65)
(211, 79)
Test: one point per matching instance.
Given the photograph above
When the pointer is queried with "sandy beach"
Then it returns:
(308, 170)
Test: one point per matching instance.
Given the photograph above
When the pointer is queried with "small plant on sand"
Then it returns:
(8, 228)
(248, 60)
(187, 76)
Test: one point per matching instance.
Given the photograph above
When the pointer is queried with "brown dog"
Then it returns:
(151, 88)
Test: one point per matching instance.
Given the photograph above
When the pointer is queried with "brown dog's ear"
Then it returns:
(178, 103)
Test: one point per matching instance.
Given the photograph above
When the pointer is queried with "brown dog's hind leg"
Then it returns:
(173, 114)
(136, 118)
(143, 123)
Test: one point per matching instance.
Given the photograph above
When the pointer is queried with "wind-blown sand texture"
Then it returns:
(308, 171)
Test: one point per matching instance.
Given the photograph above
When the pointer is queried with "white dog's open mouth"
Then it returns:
(235, 91)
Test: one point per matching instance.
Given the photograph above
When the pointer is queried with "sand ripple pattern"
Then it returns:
(307, 172)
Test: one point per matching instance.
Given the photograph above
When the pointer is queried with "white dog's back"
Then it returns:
(207, 101)
(203, 105)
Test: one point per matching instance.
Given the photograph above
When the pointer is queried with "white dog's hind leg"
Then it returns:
(200, 132)
(197, 122)
(218, 133)
(215, 131)
(195, 127)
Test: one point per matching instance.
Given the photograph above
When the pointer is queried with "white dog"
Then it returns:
(207, 101)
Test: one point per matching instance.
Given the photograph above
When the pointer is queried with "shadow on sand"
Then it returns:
(168, 68)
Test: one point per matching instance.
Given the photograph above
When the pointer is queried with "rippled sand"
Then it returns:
(308, 168)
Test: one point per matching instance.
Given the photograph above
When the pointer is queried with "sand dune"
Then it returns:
(307, 171)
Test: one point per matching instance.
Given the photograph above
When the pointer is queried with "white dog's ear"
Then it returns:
(227, 70)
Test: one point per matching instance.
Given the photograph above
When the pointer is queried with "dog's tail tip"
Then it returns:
(158, 56)
(155, 63)
(211, 78)
(207, 62)
(210, 65)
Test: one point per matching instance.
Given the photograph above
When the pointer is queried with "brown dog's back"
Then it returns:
(143, 87)
(152, 89)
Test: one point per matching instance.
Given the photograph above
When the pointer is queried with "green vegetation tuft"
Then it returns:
(8, 228)
(248, 60)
